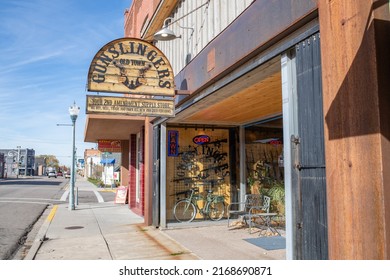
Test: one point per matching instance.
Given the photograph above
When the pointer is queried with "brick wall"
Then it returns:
(137, 16)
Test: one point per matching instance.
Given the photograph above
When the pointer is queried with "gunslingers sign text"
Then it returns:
(133, 66)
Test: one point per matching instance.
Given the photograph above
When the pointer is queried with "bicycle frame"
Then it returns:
(210, 197)
(194, 199)
(189, 205)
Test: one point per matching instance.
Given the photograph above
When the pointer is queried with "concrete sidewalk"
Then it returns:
(110, 231)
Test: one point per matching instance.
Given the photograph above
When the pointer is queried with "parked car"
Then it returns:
(67, 174)
(59, 173)
(52, 174)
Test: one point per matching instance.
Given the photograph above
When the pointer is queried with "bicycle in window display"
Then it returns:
(185, 210)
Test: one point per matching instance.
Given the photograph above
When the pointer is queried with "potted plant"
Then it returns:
(277, 194)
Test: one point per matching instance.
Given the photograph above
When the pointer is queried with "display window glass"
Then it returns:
(197, 158)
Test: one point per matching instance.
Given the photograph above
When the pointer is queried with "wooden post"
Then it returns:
(355, 72)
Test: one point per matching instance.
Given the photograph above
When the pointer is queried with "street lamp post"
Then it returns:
(73, 111)
(17, 163)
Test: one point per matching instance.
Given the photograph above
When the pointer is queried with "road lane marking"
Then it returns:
(29, 198)
(64, 195)
(98, 196)
(23, 202)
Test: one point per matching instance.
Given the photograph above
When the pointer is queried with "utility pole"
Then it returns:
(17, 162)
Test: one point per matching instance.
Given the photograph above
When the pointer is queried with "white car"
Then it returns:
(52, 174)
(67, 174)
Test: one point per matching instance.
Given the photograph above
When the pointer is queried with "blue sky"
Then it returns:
(46, 47)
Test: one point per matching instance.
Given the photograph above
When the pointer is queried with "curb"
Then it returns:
(40, 238)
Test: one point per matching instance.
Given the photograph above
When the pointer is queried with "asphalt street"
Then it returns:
(24, 200)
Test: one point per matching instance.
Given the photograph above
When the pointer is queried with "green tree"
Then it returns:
(49, 160)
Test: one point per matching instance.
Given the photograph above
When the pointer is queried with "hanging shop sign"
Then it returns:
(173, 143)
(110, 146)
(131, 65)
(97, 104)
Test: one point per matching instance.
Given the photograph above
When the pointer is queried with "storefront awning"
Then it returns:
(250, 98)
(113, 127)
(107, 161)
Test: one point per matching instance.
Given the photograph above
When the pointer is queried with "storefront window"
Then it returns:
(197, 158)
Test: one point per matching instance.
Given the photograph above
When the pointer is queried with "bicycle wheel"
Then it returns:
(184, 211)
(216, 210)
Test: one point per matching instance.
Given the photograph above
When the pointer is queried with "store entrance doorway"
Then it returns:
(264, 163)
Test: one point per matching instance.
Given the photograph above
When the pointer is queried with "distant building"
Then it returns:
(91, 163)
(104, 166)
(40, 166)
(2, 164)
(18, 162)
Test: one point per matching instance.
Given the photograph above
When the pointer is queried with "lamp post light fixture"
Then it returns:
(73, 112)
